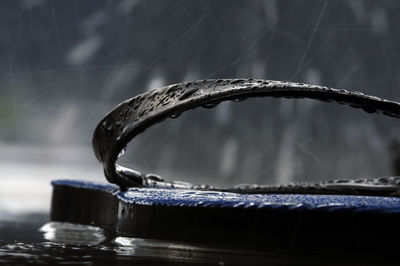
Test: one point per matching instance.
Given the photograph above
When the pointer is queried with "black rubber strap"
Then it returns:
(135, 115)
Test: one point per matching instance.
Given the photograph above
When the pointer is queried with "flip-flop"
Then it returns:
(339, 216)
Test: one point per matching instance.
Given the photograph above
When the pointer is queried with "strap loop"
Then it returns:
(135, 115)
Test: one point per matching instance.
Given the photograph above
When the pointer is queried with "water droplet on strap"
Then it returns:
(175, 115)
(235, 81)
(210, 104)
(369, 109)
(154, 177)
(187, 94)
(239, 99)
(122, 152)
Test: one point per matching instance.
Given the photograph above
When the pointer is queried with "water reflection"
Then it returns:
(184, 252)
(65, 243)
(74, 234)
(77, 238)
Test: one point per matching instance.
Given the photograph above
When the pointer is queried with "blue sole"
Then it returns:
(363, 225)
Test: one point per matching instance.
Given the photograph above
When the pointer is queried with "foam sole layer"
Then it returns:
(358, 225)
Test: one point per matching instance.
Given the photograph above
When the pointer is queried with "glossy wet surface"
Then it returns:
(32, 239)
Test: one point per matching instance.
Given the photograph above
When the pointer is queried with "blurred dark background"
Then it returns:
(64, 64)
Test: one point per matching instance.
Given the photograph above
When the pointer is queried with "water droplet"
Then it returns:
(239, 99)
(122, 152)
(369, 109)
(235, 81)
(210, 104)
(175, 115)
(187, 94)
(154, 177)
(173, 88)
